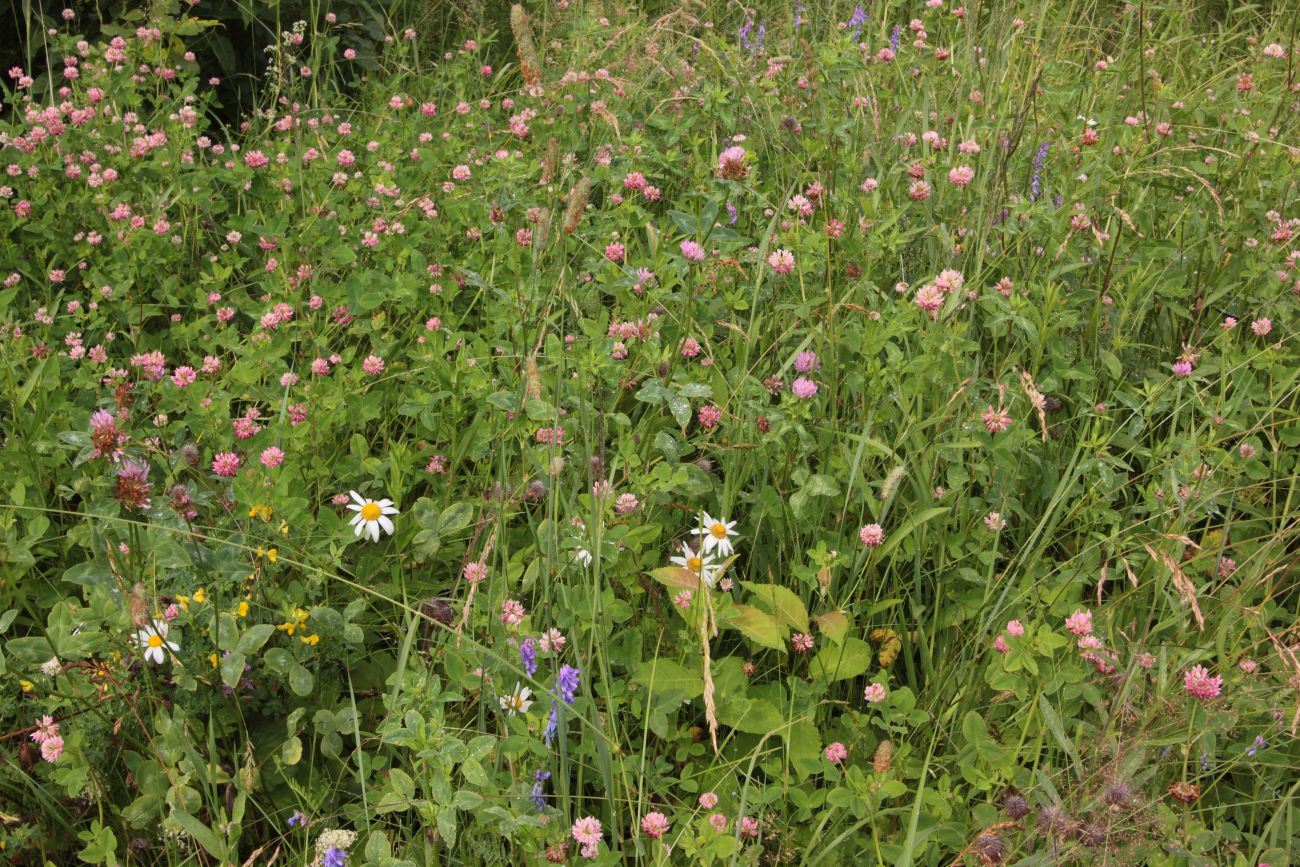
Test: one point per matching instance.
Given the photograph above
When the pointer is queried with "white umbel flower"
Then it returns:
(371, 516)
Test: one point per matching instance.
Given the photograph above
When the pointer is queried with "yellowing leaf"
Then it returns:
(676, 578)
(758, 626)
(834, 625)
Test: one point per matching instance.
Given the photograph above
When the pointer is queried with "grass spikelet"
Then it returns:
(578, 198)
(530, 66)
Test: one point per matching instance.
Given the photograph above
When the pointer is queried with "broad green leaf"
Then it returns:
(782, 602)
(758, 626)
(254, 637)
(850, 659)
(664, 675)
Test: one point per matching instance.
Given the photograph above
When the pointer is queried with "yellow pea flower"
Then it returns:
(312, 639)
(27, 685)
(200, 596)
(243, 609)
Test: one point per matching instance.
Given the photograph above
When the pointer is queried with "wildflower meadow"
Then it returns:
(666, 433)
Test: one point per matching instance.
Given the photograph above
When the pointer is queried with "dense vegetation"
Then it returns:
(806, 435)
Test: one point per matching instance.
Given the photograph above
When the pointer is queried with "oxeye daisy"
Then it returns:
(371, 515)
(518, 701)
(700, 563)
(153, 639)
(718, 534)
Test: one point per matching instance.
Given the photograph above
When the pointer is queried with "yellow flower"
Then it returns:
(183, 601)
(284, 528)
(243, 609)
(296, 621)
(27, 685)
(213, 659)
(260, 512)
(272, 555)
(312, 639)
(200, 596)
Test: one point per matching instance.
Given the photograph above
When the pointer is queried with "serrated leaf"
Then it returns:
(664, 675)
(756, 625)
(850, 659)
(782, 602)
(676, 578)
(834, 625)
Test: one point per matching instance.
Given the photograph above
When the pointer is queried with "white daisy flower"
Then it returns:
(371, 515)
(153, 640)
(701, 564)
(718, 534)
(518, 701)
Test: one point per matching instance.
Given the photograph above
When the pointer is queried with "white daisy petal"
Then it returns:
(386, 524)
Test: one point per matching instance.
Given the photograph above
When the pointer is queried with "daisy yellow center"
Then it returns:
(155, 640)
(371, 511)
(695, 564)
(719, 531)
(515, 702)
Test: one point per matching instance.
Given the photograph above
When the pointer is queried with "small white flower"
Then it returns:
(701, 564)
(582, 556)
(153, 639)
(51, 666)
(718, 534)
(371, 515)
(518, 701)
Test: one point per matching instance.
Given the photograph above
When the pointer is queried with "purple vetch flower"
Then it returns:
(893, 38)
(731, 211)
(798, 15)
(537, 796)
(1260, 744)
(567, 683)
(1040, 159)
(552, 725)
(334, 857)
(859, 18)
(528, 656)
